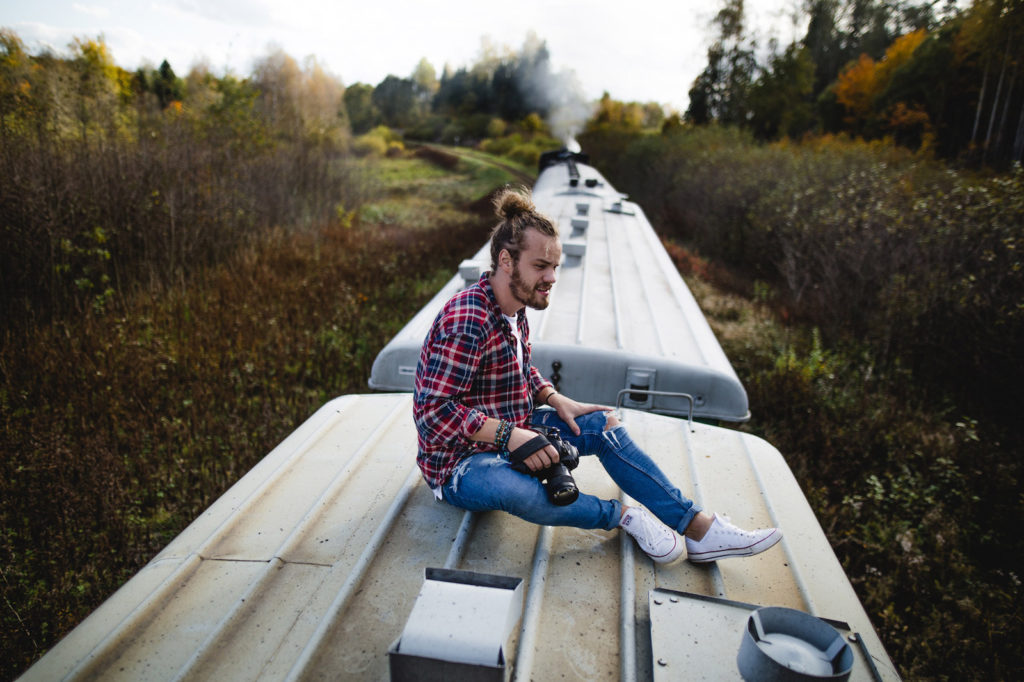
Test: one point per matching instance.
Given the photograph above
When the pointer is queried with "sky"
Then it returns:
(636, 50)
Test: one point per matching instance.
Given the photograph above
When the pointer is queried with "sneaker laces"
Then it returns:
(652, 536)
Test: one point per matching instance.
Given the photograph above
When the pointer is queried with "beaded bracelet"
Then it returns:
(502, 435)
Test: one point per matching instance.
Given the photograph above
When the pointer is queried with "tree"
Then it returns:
(363, 115)
(424, 78)
(720, 92)
(395, 98)
(994, 30)
(99, 86)
(15, 80)
(298, 100)
(612, 113)
(780, 99)
(824, 42)
(860, 86)
(166, 86)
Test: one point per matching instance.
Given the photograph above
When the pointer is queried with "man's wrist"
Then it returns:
(502, 434)
(546, 400)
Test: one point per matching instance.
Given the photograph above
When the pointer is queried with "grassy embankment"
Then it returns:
(119, 428)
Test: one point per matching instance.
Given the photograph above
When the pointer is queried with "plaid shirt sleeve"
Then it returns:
(448, 363)
(537, 382)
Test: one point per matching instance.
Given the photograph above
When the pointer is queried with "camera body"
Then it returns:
(559, 483)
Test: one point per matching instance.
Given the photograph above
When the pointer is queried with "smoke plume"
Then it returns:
(559, 94)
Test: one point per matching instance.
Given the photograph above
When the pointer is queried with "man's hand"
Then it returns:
(541, 459)
(568, 409)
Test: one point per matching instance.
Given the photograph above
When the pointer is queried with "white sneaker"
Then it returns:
(656, 539)
(726, 540)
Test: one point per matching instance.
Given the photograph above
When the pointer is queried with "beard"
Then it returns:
(527, 295)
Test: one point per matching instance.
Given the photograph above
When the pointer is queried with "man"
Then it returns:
(476, 395)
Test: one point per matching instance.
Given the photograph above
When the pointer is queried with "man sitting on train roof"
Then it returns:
(479, 405)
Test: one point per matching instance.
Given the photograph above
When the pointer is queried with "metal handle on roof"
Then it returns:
(644, 391)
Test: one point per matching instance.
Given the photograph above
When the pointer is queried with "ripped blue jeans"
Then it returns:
(486, 481)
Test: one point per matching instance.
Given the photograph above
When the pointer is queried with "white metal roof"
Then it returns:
(309, 567)
(620, 314)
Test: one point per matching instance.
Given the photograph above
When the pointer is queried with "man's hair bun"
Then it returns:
(510, 203)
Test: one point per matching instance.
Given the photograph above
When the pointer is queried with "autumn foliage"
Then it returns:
(860, 86)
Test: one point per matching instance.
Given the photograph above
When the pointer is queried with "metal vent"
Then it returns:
(458, 628)
(469, 271)
(622, 207)
(574, 249)
(640, 379)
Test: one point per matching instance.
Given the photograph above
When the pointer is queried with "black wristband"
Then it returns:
(538, 442)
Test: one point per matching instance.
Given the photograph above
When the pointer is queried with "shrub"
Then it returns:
(369, 145)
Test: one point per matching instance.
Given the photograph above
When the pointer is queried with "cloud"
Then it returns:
(91, 10)
(230, 12)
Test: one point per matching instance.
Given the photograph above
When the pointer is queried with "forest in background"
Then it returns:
(187, 260)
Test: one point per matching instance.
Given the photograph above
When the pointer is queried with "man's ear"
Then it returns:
(505, 261)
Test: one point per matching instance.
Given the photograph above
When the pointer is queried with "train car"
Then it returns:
(622, 327)
(331, 559)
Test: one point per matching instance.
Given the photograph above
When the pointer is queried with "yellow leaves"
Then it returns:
(900, 51)
(96, 55)
(860, 85)
(613, 113)
(857, 86)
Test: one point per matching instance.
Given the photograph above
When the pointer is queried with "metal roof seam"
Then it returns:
(297, 533)
(534, 600)
(218, 631)
(616, 303)
(645, 285)
(461, 540)
(167, 585)
(717, 582)
(627, 596)
(584, 288)
(798, 578)
(356, 576)
(675, 283)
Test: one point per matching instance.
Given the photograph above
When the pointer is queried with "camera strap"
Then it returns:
(528, 448)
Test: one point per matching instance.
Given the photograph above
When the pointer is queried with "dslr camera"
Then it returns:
(559, 483)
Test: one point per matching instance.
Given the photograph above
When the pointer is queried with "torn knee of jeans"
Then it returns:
(610, 434)
(611, 420)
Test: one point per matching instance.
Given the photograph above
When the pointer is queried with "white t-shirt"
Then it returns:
(513, 323)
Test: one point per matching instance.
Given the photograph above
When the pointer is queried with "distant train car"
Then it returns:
(622, 326)
(331, 559)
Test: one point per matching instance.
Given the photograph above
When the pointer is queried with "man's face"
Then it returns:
(535, 273)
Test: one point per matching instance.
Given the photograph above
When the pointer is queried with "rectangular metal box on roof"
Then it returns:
(621, 317)
(309, 567)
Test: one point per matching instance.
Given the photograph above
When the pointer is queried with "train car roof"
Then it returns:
(621, 317)
(331, 559)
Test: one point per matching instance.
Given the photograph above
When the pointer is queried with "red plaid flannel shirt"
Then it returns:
(467, 372)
